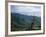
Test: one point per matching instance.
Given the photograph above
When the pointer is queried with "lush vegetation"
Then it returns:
(21, 22)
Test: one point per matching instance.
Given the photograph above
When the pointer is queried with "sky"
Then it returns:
(26, 10)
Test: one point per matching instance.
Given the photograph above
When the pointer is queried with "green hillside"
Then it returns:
(25, 23)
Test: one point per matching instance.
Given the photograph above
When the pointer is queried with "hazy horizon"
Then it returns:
(26, 10)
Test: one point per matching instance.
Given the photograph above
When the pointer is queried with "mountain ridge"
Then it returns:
(24, 21)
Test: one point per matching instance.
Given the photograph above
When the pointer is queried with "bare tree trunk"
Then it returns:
(32, 24)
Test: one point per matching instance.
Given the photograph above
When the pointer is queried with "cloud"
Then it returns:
(31, 10)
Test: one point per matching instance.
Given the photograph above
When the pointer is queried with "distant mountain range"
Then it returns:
(24, 22)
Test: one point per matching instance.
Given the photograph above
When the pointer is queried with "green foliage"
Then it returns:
(18, 24)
